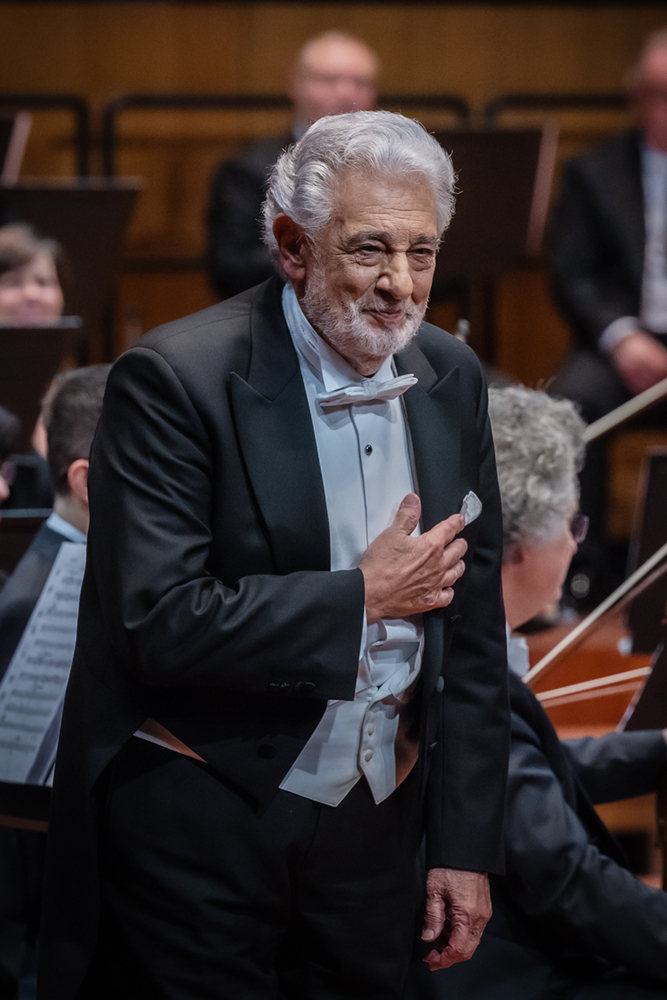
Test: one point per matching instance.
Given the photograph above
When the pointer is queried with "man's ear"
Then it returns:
(77, 480)
(292, 244)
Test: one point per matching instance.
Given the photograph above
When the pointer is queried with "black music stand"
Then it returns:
(89, 217)
(30, 357)
(647, 612)
(17, 530)
(648, 709)
(14, 132)
(504, 183)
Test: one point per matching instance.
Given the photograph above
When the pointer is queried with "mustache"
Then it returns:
(381, 307)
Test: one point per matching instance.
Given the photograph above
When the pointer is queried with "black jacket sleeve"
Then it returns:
(554, 871)
(595, 272)
(171, 621)
(236, 254)
(469, 765)
(619, 765)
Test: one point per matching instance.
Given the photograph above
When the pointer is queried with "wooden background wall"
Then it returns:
(476, 50)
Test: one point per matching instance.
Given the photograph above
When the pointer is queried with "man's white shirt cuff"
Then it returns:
(618, 331)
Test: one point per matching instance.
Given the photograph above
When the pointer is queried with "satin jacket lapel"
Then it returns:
(626, 195)
(278, 442)
(433, 411)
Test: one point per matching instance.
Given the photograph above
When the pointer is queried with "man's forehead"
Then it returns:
(654, 69)
(340, 56)
(366, 205)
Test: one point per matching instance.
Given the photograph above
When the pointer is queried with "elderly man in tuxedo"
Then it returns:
(291, 653)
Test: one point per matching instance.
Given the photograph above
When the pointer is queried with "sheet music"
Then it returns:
(33, 688)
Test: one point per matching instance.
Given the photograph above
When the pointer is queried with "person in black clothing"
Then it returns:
(70, 413)
(333, 73)
(609, 276)
(570, 922)
(9, 428)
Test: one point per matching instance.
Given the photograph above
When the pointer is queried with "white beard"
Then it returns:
(344, 327)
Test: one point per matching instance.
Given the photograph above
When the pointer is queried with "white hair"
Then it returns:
(539, 444)
(304, 180)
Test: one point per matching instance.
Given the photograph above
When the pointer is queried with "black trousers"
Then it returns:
(203, 898)
(22, 860)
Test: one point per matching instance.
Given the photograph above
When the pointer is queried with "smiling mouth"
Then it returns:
(390, 314)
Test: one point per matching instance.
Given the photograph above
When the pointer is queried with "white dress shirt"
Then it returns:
(63, 527)
(364, 456)
(518, 657)
(653, 310)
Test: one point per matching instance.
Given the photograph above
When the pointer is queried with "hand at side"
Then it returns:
(458, 907)
(641, 361)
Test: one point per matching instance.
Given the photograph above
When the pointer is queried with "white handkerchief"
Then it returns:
(471, 507)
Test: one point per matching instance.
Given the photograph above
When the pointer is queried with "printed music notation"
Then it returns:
(33, 688)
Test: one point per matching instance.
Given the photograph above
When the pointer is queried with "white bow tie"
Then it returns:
(368, 391)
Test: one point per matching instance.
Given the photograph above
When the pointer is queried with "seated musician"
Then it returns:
(31, 291)
(569, 919)
(71, 410)
(31, 294)
(9, 428)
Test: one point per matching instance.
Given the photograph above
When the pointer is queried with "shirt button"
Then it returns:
(368, 755)
(371, 729)
(369, 449)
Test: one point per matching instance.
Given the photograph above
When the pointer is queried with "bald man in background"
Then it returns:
(334, 73)
(609, 275)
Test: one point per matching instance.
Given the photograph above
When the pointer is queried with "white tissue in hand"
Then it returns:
(471, 507)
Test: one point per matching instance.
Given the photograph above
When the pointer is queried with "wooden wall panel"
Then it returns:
(476, 50)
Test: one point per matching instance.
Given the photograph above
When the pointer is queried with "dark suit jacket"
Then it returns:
(19, 595)
(568, 909)
(597, 244)
(208, 603)
(237, 256)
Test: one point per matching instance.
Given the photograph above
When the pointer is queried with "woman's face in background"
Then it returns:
(31, 295)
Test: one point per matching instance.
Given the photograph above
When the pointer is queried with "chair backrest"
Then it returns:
(646, 614)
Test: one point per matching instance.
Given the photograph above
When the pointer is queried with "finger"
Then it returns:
(434, 917)
(460, 947)
(446, 531)
(434, 599)
(453, 552)
(453, 574)
(408, 514)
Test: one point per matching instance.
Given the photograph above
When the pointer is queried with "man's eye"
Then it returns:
(422, 255)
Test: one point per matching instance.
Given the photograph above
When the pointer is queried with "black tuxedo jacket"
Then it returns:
(598, 237)
(208, 603)
(236, 254)
(568, 911)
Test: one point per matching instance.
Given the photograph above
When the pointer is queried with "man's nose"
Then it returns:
(396, 277)
(4, 489)
(348, 90)
(31, 290)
